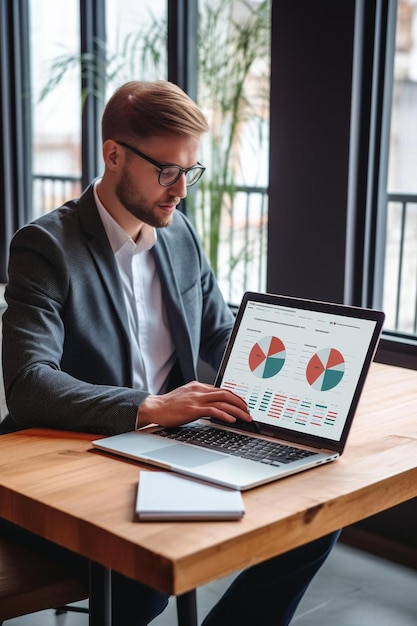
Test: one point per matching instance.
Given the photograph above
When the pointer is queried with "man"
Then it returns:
(111, 301)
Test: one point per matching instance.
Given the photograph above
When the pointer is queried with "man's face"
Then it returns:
(137, 187)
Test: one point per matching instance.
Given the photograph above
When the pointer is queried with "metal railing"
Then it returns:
(242, 249)
(243, 246)
(400, 268)
(51, 191)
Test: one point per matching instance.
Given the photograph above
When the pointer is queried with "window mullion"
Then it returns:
(93, 76)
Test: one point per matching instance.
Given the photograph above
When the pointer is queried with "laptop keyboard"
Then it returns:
(237, 444)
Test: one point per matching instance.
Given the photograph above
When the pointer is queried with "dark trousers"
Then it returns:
(266, 593)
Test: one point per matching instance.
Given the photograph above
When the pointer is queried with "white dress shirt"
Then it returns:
(152, 347)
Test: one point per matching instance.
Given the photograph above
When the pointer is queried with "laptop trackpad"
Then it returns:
(187, 456)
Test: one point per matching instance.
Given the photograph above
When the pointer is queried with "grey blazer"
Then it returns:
(66, 351)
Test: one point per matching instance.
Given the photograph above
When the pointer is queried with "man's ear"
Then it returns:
(111, 154)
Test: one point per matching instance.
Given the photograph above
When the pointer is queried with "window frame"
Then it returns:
(349, 219)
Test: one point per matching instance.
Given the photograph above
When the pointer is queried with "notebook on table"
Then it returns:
(301, 366)
(170, 496)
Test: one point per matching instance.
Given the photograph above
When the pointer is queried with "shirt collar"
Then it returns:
(119, 237)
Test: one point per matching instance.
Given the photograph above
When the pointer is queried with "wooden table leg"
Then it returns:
(99, 613)
(187, 609)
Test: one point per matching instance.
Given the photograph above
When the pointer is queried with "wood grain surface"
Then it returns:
(54, 484)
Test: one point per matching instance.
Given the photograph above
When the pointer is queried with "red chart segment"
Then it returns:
(267, 357)
(325, 369)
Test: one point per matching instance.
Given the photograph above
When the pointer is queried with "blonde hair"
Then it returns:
(147, 109)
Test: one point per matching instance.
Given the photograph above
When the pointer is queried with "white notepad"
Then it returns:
(169, 496)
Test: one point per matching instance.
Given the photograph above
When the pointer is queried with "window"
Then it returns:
(56, 106)
(311, 144)
(230, 211)
(136, 34)
(400, 269)
(229, 208)
(56, 63)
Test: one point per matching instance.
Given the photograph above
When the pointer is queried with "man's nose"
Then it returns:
(179, 188)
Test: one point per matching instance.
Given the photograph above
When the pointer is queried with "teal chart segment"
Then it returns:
(267, 357)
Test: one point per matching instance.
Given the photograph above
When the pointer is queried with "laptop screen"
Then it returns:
(300, 365)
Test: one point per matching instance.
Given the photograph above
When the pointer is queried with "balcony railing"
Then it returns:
(400, 271)
(243, 246)
(242, 249)
(50, 192)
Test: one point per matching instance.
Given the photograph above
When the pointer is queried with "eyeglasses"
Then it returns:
(169, 174)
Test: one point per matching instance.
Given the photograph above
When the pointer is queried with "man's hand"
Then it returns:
(190, 402)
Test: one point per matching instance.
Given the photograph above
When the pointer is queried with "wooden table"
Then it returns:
(54, 484)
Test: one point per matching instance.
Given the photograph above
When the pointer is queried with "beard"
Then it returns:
(137, 204)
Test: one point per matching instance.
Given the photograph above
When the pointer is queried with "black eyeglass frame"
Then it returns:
(162, 167)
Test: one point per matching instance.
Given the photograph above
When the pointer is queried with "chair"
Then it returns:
(32, 581)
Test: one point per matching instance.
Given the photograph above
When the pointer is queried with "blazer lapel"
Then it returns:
(175, 309)
(98, 244)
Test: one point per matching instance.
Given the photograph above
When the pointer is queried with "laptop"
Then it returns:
(301, 366)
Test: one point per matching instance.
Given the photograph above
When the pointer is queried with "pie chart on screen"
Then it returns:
(267, 357)
(325, 369)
